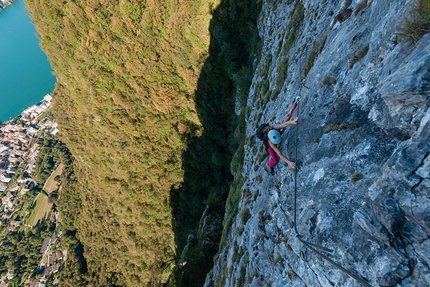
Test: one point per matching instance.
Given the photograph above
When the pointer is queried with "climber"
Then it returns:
(272, 137)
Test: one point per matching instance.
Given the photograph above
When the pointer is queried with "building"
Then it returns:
(6, 178)
(45, 245)
(3, 186)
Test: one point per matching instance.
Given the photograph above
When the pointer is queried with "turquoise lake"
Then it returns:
(26, 75)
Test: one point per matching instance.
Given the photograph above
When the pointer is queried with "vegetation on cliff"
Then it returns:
(417, 23)
(145, 103)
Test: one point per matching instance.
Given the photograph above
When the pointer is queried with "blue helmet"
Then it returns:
(274, 136)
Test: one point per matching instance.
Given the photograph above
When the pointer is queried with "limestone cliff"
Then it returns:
(363, 151)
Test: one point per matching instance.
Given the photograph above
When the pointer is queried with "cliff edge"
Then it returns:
(363, 145)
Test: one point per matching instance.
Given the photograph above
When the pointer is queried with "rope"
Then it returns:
(294, 107)
(310, 245)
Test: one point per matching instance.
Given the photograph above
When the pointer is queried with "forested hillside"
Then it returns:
(145, 103)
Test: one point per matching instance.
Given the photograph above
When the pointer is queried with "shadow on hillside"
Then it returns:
(207, 159)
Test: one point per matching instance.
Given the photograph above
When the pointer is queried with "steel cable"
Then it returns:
(310, 245)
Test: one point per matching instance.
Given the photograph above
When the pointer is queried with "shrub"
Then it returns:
(356, 177)
(245, 216)
(339, 127)
(359, 55)
(313, 55)
(329, 81)
(417, 23)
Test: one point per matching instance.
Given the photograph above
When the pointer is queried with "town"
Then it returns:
(4, 3)
(19, 149)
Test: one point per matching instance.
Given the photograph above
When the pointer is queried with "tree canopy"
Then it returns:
(145, 103)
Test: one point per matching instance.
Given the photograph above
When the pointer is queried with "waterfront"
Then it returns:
(5, 3)
(26, 205)
(25, 73)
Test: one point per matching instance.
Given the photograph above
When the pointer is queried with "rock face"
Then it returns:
(363, 185)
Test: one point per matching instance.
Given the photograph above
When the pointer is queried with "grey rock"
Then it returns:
(407, 87)
(366, 224)
(363, 149)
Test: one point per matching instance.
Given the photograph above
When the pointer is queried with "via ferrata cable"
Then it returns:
(310, 245)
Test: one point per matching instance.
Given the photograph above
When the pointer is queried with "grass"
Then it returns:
(51, 184)
(241, 280)
(278, 259)
(259, 179)
(338, 127)
(359, 55)
(243, 84)
(292, 275)
(265, 86)
(329, 81)
(232, 206)
(313, 55)
(292, 33)
(40, 210)
(293, 29)
(356, 177)
(417, 23)
(239, 231)
(338, 104)
(282, 74)
(245, 216)
(240, 254)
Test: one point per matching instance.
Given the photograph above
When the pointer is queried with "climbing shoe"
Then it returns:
(269, 169)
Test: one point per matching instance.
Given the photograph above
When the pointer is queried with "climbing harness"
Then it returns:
(312, 246)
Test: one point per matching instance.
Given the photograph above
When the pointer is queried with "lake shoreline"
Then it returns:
(26, 73)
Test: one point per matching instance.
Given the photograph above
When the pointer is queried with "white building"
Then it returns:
(47, 98)
(3, 148)
(5, 178)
